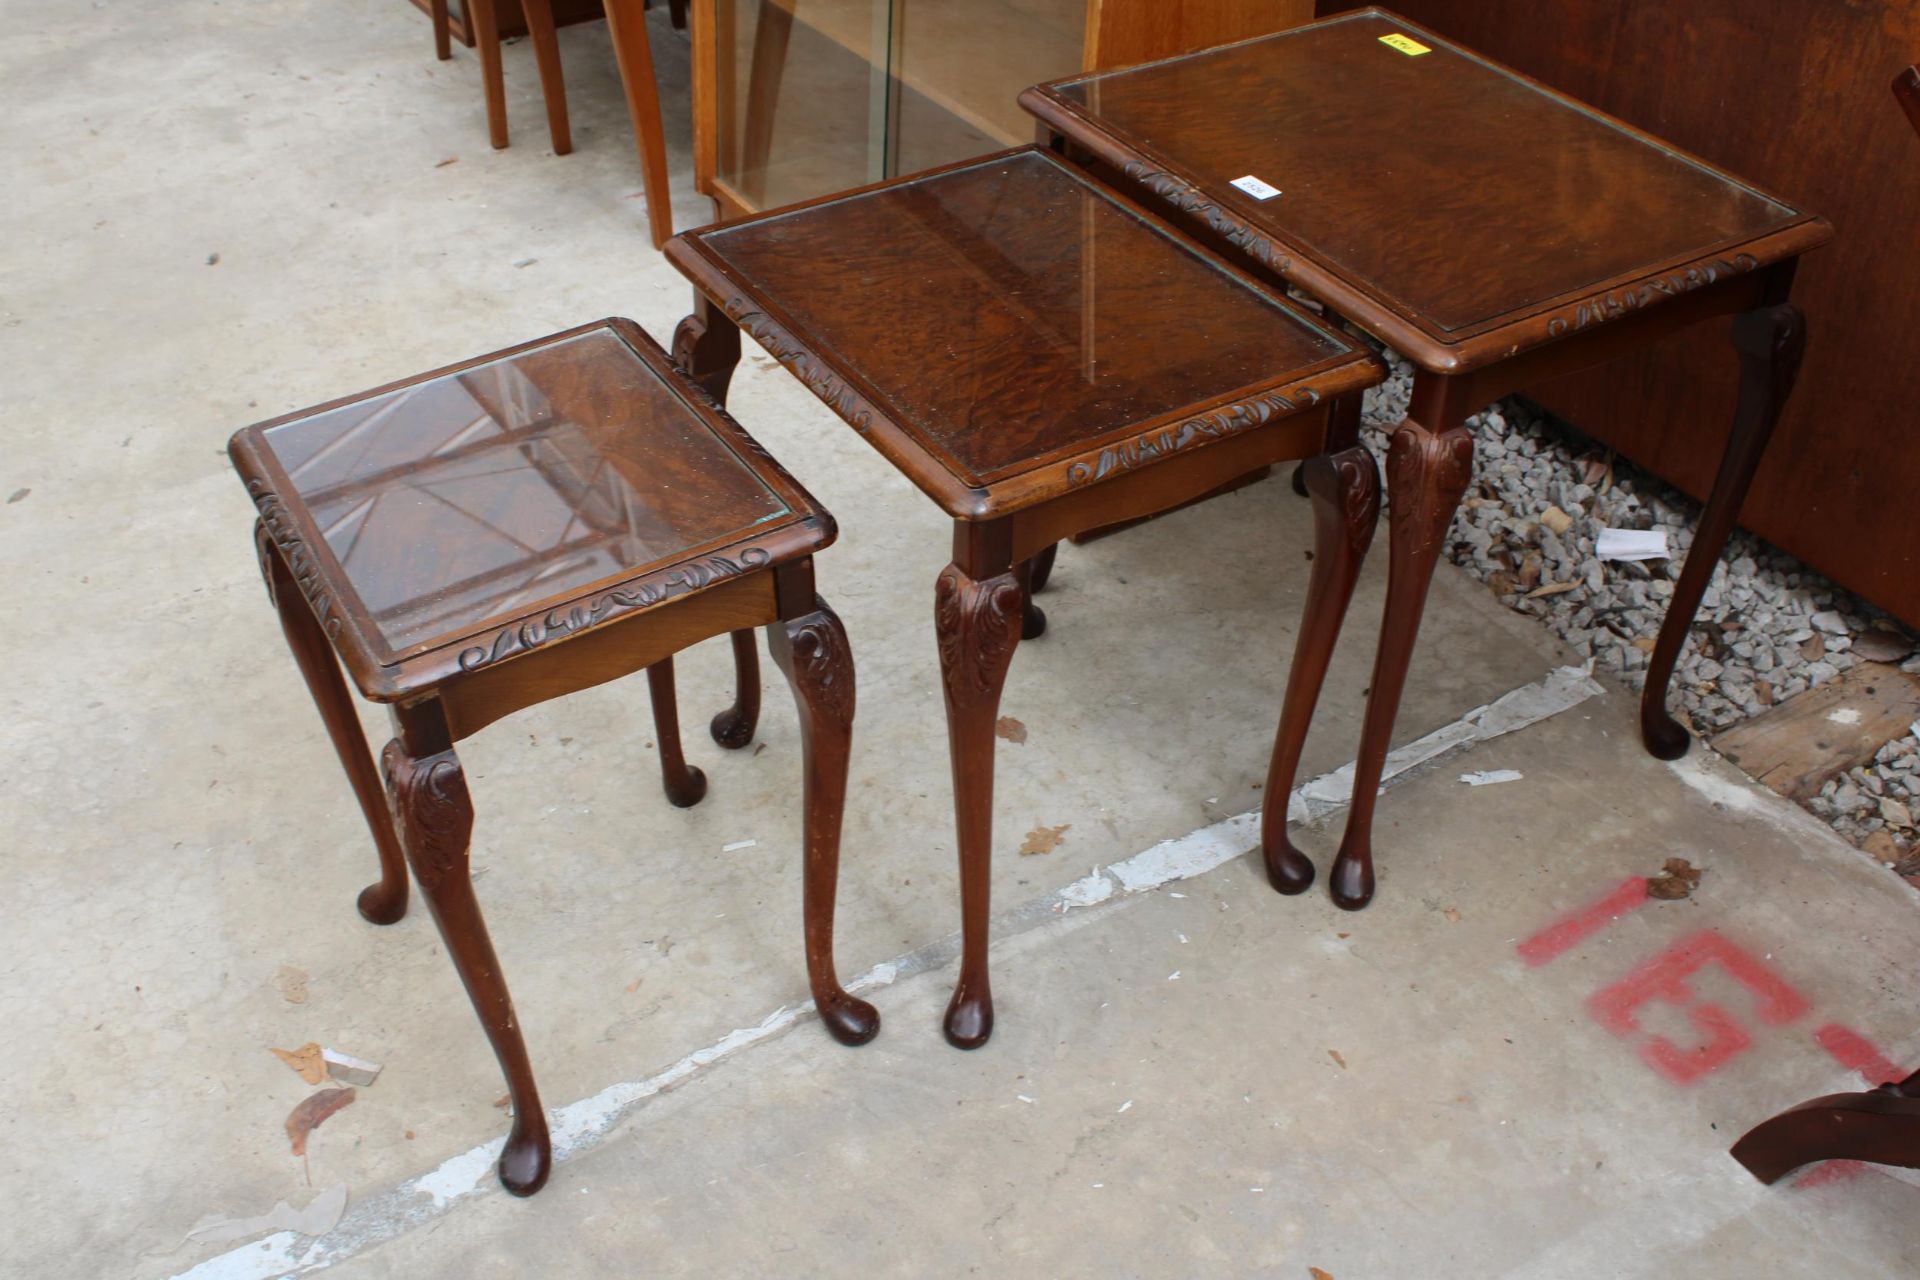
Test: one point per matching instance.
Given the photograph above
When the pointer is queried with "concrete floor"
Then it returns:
(181, 837)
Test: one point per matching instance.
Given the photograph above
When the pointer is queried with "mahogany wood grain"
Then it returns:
(1345, 488)
(1123, 32)
(1882, 1126)
(812, 651)
(493, 82)
(512, 529)
(683, 784)
(1810, 81)
(633, 51)
(553, 84)
(385, 900)
(1042, 358)
(734, 727)
(1542, 237)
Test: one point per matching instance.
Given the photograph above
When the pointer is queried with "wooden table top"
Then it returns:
(993, 326)
(470, 514)
(1452, 207)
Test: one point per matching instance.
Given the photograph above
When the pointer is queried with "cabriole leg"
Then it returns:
(1345, 488)
(734, 727)
(1770, 341)
(434, 814)
(684, 784)
(1427, 471)
(384, 901)
(813, 652)
(978, 625)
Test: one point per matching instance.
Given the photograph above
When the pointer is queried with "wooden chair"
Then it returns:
(627, 25)
(1881, 1126)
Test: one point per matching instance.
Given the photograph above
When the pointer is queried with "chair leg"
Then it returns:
(734, 727)
(384, 901)
(434, 813)
(1770, 342)
(553, 83)
(677, 14)
(1033, 619)
(1427, 471)
(1882, 1127)
(627, 24)
(484, 23)
(442, 30)
(684, 784)
(813, 652)
(1345, 488)
(978, 626)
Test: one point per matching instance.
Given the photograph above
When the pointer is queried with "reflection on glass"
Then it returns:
(482, 494)
(816, 96)
(1032, 312)
(1392, 167)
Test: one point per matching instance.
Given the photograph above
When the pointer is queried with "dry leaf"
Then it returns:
(1045, 839)
(292, 983)
(1335, 1055)
(1551, 589)
(633, 986)
(1530, 569)
(1678, 881)
(1882, 847)
(1010, 729)
(449, 160)
(1644, 644)
(308, 1060)
(1556, 519)
(1500, 582)
(1813, 648)
(313, 1109)
(1318, 1274)
(1452, 914)
(1881, 646)
(504, 1101)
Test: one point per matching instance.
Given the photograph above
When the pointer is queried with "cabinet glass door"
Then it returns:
(816, 96)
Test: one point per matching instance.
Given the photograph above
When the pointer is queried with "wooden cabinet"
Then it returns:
(1792, 94)
(798, 98)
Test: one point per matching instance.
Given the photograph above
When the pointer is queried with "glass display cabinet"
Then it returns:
(795, 99)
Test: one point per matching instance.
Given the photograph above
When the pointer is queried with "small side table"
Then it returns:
(495, 534)
(1496, 233)
(1041, 358)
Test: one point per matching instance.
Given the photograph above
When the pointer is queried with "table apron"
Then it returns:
(1165, 484)
(476, 699)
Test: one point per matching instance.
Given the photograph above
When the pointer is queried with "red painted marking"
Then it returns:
(1664, 977)
(1857, 1053)
(1828, 1172)
(1576, 926)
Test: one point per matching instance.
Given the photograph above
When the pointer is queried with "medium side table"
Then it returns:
(499, 533)
(1495, 232)
(1040, 357)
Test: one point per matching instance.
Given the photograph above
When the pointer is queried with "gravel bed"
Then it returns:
(1768, 629)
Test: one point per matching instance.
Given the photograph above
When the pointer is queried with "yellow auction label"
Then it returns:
(1405, 44)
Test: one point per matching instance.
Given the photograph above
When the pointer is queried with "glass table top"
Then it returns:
(1435, 180)
(477, 496)
(1011, 309)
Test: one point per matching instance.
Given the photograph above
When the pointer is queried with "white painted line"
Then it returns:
(583, 1125)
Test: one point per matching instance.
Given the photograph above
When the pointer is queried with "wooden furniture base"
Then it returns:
(1446, 244)
(506, 531)
(1044, 360)
(1882, 1127)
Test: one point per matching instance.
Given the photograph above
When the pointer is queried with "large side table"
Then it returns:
(1040, 357)
(492, 535)
(1495, 232)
